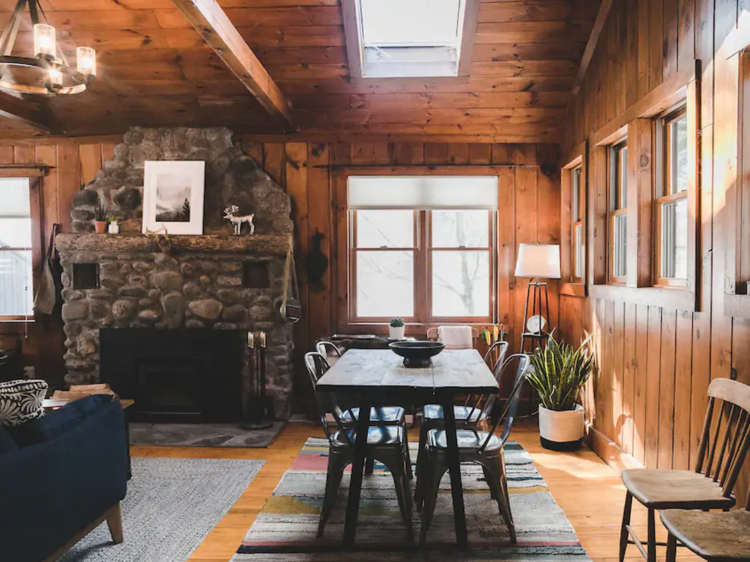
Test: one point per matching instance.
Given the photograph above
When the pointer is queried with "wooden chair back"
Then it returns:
(725, 439)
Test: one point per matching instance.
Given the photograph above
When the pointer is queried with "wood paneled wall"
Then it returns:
(656, 363)
(529, 211)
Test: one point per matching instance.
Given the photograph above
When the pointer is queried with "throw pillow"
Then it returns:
(21, 401)
(58, 422)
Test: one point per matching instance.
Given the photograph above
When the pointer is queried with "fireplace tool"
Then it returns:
(258, 412)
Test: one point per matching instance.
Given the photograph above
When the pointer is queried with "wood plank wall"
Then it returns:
(530, 202)
(656, 363)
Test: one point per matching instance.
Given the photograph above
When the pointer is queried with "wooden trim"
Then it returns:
(570, 160)
(23, 171)
(574, 290)
(212, 23)
(27, 112)
(610, 452)
(640, 189)
(596, 32)
(575, 159)
(350, 13)
(678, 299)
(468, 36)
(411, 170)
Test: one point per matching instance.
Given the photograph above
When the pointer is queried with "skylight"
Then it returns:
(400, 38)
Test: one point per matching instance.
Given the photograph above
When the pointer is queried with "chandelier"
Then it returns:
(49, 71)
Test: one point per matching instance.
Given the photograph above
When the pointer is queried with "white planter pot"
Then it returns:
(396, 333)
(561, 431)
(113, 228)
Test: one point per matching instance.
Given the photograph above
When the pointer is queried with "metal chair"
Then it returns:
(328, 350)
(498, 344)
(468, 416)
(317, 365)
(720, 460)
(385, 444)
(478, 447)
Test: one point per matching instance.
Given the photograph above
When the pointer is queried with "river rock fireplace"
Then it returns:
(217, 281)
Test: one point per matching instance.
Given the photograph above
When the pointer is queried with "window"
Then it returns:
(424, 263)
(16, 280)
(394, 38)
(618, 212)
(671, 199)
(577, 235)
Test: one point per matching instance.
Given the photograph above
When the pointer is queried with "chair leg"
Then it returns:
(625, 523)
(422, 444)
(114, 522)
(436, 470)
(508, 514)
(651, 535)
(369, 465)
(671, 548)
(333, 481)
(396, 466)
(488, 478)
(407, 454)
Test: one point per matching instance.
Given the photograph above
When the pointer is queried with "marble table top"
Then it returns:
(456, 370)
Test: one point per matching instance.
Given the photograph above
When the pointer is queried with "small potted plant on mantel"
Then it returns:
(559, 373)
(396, 329)
(100, 218)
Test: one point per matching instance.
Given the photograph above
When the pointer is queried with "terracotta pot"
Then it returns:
(561, 431)
(100, 226)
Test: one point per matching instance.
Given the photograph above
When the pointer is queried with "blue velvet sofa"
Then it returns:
(61, 476)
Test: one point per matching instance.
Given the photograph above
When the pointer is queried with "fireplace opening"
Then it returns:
(176, 375)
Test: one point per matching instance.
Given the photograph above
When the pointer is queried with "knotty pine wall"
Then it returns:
(656, 363)
(529, 211)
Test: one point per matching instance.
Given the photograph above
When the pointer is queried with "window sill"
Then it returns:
(574, 290)
(678, 299)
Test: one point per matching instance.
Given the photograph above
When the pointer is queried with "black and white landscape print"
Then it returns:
(173, 192)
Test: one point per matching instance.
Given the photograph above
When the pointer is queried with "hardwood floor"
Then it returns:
(589, 491)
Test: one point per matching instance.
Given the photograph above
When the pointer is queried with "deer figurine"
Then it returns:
(230, 214)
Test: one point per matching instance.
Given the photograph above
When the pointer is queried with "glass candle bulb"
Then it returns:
(55, 77)
(44, 41)
(86, 57)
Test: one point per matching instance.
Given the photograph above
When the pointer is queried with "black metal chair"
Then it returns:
(317, 365)
(385, 443)
(477, 447)
(472, 415)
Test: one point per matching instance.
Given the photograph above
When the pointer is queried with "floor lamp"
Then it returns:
(537, 261)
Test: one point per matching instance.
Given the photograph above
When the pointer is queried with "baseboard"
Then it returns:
(609, 451)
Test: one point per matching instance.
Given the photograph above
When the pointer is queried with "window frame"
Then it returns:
(34, 175)
(500, 243)
(617, 204)
(572, 285)
(662, 189)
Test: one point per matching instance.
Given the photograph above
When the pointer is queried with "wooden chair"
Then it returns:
(385, 443)
(478, 447)
(723, 447)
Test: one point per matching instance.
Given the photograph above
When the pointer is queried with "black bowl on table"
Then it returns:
(417, 354)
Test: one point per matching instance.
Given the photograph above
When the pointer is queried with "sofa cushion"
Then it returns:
(7, 444)
(59, 421)
(21, 401)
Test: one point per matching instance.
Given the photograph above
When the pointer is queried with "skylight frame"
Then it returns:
(356, 48)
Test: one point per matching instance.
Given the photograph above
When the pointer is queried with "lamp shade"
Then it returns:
(538, 260)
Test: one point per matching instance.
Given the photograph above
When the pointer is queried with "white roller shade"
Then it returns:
(422, 192)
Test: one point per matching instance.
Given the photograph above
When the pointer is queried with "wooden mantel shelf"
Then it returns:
(264, 244)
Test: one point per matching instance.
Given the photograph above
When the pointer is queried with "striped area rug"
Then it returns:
(285, 530)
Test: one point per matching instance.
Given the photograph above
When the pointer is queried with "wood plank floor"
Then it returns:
(590, 493)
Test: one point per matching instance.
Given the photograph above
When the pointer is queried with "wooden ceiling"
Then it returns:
(156, 70)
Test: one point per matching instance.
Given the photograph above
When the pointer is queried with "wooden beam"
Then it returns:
(207, 17)
(596, 32)
(24, 111)
(468, 36)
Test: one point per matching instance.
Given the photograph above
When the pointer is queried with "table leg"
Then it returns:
(358, 464)
(454, 464)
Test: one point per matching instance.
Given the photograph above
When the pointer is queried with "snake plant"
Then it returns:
(559, 373)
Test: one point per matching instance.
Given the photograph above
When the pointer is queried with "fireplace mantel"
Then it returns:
(262, 244)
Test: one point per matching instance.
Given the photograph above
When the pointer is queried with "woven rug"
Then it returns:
(171, 505)
(202, 435)
(285, 530)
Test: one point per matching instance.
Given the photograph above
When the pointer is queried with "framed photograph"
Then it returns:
(173, 196)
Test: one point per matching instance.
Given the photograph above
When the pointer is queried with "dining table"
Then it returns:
(367, 378)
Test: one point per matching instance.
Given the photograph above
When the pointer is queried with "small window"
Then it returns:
(16, 281)
(618, 212)
(671, 200)
(578, 240)
(414, 38)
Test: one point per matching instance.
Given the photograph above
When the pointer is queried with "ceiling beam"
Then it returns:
(207, 17)
(596, 32)
(26, 112)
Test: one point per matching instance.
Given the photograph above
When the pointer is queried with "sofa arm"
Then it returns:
(53, 490)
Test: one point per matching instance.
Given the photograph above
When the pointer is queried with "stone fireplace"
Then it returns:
(217, 281)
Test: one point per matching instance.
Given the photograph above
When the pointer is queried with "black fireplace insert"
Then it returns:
(176, 375)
